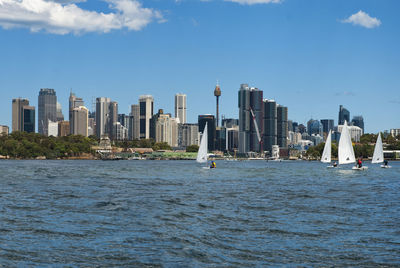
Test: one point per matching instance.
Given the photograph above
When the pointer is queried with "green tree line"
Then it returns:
(31, 145)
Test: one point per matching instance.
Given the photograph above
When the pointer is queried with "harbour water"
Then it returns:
(177, 214)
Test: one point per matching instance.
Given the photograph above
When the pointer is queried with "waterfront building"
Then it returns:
(188, 134)
(135, 113)
(4, 130)
(344, 114)
(52, 128)
(63, 128)
(314, 127)
(358, 121)
(270, 135)
(233, 138)
(210, 120)
(74, 102)
(327, 125)
(282, 126)
(60, 116)
(47, 102)
(180, 107)
(249, 99)
(146, 105)
(79, 122)
(221, 139)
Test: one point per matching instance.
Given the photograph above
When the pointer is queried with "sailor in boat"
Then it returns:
(386, 163)
(213, 165)
(334, 164)
(359, 163)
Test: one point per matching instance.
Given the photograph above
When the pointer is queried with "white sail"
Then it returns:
(202, 154)
(326, 155)
(378, 151)
(345, 150)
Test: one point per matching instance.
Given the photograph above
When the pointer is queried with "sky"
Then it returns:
(308, 55)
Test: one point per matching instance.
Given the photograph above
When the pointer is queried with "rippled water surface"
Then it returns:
(177, 214)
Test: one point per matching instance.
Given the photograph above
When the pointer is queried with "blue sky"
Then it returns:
(309, 55)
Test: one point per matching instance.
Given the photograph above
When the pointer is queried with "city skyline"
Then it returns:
(311, 57)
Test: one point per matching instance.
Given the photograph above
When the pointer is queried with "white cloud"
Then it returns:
(63, 17)
(252, 2)
(363, 19)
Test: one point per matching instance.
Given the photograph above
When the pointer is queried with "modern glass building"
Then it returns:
(47, 109)
(358, 121)
(282, 126)
(146, 106)
(314, 127)
(327, 125)
(344, 114)
(210, 120)
(270, 136)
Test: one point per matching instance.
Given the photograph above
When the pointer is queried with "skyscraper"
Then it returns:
(282, 125)
(188, 134)
(250, 99)
(327, 125)
(113, 118)
(344, 114)
(217, 94)
(23, 116)
(135, 113)
(146, 105)
(60, 116)
(79, 122)
(358, 121)
(74, 102)
(210, 120)
(47, 109)
(314, 127)
(180, 107)
(102, 116)
(270, 136)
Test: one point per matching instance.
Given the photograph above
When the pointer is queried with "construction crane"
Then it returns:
(258, 132)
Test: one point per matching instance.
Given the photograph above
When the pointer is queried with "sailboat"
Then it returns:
(378, 152)
(326, 154)
(345, 150)
(202, 153)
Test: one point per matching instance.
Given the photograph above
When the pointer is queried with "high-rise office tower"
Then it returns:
(102, 116)
(60, 116)
(180, 107)
(210, 120)
(153, 124)
(358, 121)
(79, 122)
(250, 99)
(127, 122)
(17, 113)
(146, 105)
(166, 129)
(47, 109)
(270, 135)
(135, 113)
(344, 114)
(23, 116)
(74, 102)
(217, 94)
(314, 127)
(282, 126)
(327, 125)
(113, 118)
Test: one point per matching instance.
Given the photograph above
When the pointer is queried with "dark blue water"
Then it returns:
(176, 214)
